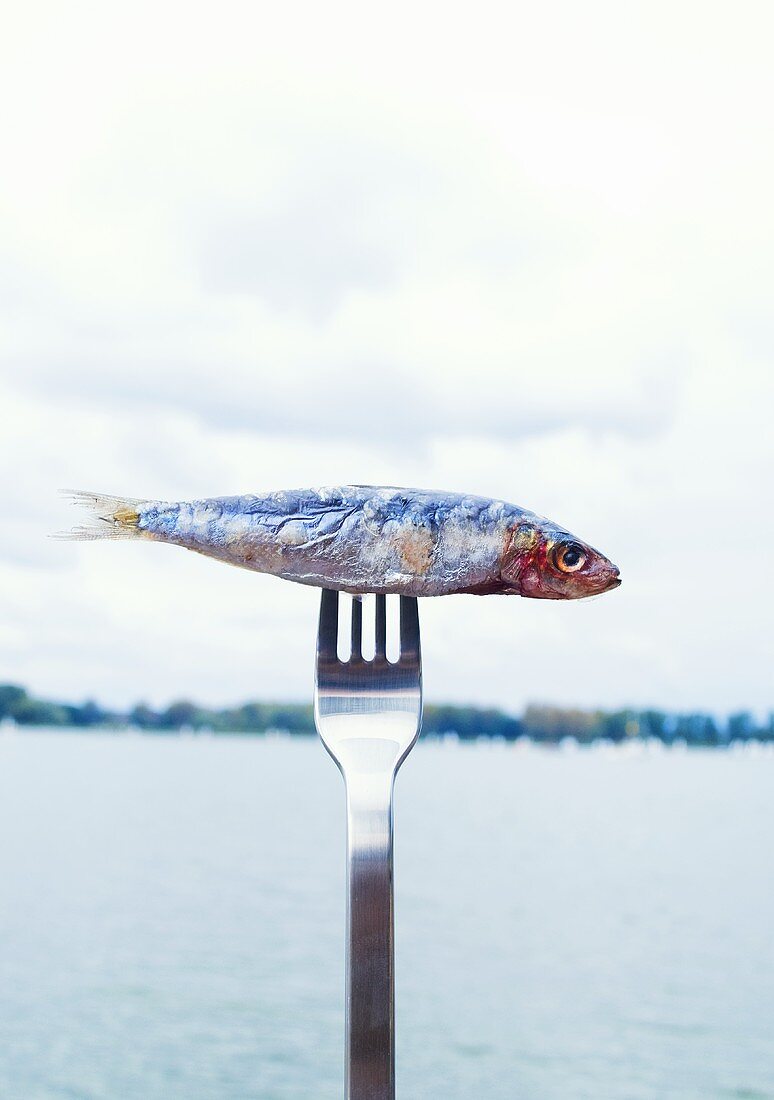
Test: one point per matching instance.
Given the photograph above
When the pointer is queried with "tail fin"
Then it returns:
(112, 517)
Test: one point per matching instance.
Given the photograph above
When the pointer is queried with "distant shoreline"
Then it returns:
(542, 724)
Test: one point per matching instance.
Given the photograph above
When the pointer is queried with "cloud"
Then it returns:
(322, 233)
(492, 258)
(421, 270)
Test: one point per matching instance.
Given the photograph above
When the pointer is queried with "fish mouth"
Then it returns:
(614, 582)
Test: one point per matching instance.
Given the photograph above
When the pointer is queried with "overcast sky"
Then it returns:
(527, 254)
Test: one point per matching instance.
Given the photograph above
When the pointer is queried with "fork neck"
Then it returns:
(369, 809)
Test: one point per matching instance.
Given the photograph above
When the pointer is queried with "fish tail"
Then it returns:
(111, 517)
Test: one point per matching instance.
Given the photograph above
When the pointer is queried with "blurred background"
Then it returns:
(522, 253)
(518, 251)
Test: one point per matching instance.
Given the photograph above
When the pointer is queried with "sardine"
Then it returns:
(363, 538)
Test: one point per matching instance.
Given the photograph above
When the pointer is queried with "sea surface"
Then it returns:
(592, 924)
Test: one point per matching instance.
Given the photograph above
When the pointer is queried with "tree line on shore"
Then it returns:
(548, 724)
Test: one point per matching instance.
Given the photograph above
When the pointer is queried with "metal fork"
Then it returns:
(368, 714)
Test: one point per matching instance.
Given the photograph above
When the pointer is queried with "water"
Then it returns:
(578, 925)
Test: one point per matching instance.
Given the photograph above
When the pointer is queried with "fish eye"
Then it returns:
(569, 557)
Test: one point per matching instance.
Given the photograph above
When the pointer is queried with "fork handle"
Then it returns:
(370, 1069)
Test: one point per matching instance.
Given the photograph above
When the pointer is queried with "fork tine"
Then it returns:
(409, 628)
(328, 631)
(380, 650)
(357, 628)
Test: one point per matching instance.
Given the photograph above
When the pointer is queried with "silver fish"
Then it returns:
(363, 538)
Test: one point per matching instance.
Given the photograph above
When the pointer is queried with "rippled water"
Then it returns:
(593, 924)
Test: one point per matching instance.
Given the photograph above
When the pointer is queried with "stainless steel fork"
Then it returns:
(368, 714)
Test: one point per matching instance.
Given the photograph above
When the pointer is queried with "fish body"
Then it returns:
(360, 539)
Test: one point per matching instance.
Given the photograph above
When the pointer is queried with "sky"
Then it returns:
(525, 251)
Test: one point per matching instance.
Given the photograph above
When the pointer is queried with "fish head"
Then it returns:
(545, 562)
